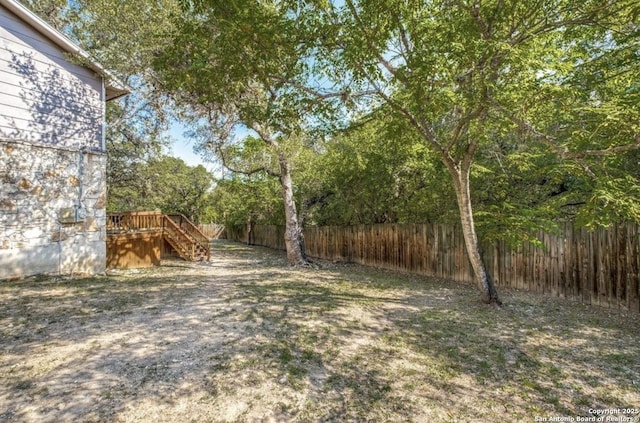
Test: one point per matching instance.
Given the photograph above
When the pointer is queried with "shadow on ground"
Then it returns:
(245, 338)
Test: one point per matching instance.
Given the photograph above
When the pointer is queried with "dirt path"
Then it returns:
(244, 338)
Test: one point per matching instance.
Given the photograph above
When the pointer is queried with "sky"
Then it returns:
(182, 147)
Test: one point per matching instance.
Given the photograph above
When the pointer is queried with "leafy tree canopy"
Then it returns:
(168, 184)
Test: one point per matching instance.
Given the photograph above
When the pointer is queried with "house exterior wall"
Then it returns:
(43, 97)
(52, 167)
(41, 188)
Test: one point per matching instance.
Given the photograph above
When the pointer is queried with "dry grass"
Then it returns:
(244, 338)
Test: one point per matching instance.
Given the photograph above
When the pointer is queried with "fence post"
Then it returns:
(600, 267)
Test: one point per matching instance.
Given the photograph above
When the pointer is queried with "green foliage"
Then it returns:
(539, 102)
(230, 61)
(239, 200)
(541, 98)
(611, 200)
(52, 11)
(167, 184)
(375, 172)
(538, 96)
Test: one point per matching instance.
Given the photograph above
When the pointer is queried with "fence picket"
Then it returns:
(601, 267)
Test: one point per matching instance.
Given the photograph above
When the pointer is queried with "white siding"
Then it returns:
(43, 97)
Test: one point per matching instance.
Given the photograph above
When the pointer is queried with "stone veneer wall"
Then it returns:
(40, 189)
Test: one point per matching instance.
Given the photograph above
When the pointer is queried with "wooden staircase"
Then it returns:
(179, 232)
(185, 238)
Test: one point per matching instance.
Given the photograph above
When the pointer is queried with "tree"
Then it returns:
(124, 37)
(53, 11)
(228, 66)
(168, 184)
(241, 199)
(375, 171)
(457, 70)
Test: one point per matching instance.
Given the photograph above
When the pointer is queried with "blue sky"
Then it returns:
(182, 147)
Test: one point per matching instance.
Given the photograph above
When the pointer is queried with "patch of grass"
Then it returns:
(334, 343)
(24, 385)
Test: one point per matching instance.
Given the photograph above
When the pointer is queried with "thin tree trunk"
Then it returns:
(488, 292)
(250, 226)
(292, 234)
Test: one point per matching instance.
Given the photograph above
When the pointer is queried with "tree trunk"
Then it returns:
(250, 226)
(488, 292)
(292, 234)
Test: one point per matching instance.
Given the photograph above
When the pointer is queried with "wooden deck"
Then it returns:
(139, 239)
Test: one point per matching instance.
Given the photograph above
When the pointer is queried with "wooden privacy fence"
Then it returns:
(600, 267)
(212, 230)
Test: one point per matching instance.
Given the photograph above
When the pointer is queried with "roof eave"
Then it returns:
(113, 84)
(115, 92)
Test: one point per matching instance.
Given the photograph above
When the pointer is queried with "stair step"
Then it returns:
(190, 247)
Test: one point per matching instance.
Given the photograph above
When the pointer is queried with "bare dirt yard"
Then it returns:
(244, 338)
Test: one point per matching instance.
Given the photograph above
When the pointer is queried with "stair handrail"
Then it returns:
(189, 227)
(195, 232)
(173, 228)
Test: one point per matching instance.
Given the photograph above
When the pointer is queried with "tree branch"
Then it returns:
(423, 127)
(318, 94)
(233, 169)
(384, 62)
(264, 135)
(564, 152)
(474, 11)
(404, 38)
(463, 124)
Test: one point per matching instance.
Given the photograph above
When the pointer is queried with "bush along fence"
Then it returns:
(600, 267)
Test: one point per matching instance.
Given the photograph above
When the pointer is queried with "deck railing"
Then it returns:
(183, 236)
(134, 222)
